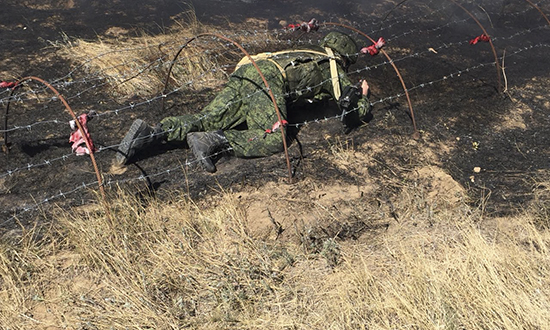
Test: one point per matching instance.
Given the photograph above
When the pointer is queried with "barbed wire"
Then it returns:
(224, 67)
(99, 79)
(109, 183)
(190, 164)
(204, 116)
(173, 45)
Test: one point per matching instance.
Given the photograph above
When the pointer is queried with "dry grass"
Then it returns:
(460, 279)
(138, 66)
(175, 264)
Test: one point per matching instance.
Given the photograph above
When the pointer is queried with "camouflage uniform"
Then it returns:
(244, 100)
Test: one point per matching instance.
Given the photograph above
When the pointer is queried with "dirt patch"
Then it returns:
(441, 190)
(280, 211)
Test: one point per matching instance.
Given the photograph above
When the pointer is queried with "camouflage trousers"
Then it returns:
(244, 102)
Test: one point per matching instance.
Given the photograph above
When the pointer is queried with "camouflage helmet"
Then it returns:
(342, 44)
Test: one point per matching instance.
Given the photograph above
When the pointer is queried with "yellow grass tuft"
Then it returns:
(138, 66)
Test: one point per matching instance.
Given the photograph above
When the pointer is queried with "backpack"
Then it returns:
(300, 68)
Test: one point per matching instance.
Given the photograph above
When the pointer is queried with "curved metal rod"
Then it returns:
(416, 135)
(540, 11)
(6, 147)
(259, 72)
(497, 64)
(78, 124)
(391, 10)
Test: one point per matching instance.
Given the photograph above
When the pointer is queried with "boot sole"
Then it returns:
(123, 155)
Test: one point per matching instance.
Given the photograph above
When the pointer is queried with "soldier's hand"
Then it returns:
(365, 87)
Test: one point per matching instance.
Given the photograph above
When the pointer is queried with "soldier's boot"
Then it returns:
(205, 144)
(140, 136)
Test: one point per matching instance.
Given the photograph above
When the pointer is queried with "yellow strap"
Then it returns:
(268, 56)
(334, 74)
(258, 57)
(278, 66)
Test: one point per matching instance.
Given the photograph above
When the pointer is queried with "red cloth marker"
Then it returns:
(7, 84)
(374, 49)
(79, 146)
(483, 37)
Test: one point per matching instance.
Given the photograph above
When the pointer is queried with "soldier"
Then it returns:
(242, 117)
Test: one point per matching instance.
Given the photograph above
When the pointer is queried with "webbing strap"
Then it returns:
(334, 74)
(268, 55)
(278, 66)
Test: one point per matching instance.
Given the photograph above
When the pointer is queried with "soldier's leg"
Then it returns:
(222, 113)
(251, 143)
(178, 127)
(260, 114)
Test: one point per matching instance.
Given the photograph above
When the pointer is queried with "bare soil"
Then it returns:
(477, 144)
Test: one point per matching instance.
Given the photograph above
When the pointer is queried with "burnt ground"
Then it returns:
(465, 121)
